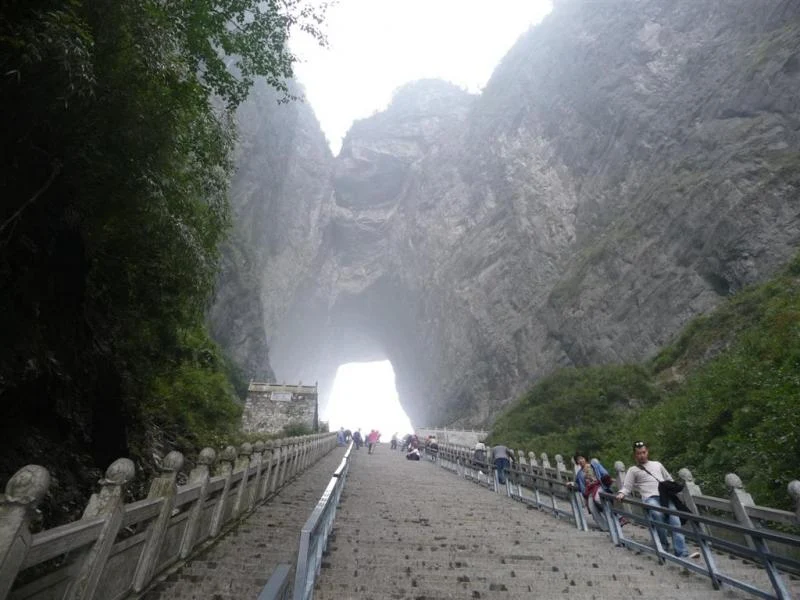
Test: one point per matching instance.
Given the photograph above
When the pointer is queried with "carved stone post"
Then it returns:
(301, 454)
(198, 476)
(794, 491)
(293, 456)
(298, 449)
(243, 466)
(561, 469)
(162, 487)
(224, 468)
(286, 454)
(266, 461)
(277, 452)
(108, 503)
(532, 460)
(523, 462)
(24, 491)
(740, 499)
(690, 489)
(619, 467)
(308, 443)
(545, 462)
(256, 461)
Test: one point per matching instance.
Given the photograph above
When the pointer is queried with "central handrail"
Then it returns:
(315, 532)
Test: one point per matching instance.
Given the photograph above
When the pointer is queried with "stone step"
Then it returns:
(444, 537)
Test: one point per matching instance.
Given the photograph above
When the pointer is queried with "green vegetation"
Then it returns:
(115, 166)
(722, 398)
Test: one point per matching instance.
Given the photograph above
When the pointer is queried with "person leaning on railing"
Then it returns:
(591, 478)
(644, 477)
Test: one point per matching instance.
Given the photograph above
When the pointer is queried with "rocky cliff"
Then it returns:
(628, 165)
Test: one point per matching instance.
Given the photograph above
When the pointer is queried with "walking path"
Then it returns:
(409, 530)
(238, 566)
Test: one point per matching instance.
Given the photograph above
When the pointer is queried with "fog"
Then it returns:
(364, 396)
(378, 45)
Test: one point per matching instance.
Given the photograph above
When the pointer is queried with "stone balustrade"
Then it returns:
(739, 505)
(116, 549)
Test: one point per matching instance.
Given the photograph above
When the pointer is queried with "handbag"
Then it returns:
(669, 488)
(668, 491)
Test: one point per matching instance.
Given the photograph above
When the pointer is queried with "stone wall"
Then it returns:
(458, 437)
(271, 407)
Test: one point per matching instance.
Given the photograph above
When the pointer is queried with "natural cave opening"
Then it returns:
(364, 396)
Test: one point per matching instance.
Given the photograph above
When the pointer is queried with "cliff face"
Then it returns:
(628, 166)
(280, 201)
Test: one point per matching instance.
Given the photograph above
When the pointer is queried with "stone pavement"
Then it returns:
(239, 565)
(410, 530)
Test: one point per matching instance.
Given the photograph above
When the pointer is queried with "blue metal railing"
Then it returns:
(315, 532)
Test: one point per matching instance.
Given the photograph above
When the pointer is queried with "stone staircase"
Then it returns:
(410, 530)
(238, 566)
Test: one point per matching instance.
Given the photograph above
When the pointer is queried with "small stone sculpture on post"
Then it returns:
(24, 492)
(108, 503)
(163, 487)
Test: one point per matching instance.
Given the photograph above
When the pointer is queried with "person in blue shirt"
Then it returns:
(591, 478)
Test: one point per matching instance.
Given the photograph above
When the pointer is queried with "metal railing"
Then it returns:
(545, 489)
(550, 490)
(697, 528)
(315, 532)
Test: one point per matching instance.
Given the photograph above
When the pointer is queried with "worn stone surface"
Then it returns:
(628, 166)
(239, 565)
(410, 530)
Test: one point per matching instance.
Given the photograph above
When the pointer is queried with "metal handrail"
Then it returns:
(315, 532)
(529, 485)
(697, 529)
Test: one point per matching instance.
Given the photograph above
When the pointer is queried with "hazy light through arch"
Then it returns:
(364, 395)
(378, 45)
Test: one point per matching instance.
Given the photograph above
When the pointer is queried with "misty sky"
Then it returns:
(378, 45)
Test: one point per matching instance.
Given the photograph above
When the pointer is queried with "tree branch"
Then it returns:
(39, 192)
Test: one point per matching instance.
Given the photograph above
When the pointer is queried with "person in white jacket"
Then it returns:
(644, 478)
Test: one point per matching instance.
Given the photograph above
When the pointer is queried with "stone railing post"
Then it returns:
(619, 467)
(277, 452)
(308, 448)
(257, 461)
(163, 487)
(286, 454)
(532, 460)
(301, 463)
(523, 463)
(545, 462)
(24, 491)
(198, 476)
(690, 490)
(740, 499)
(295, 455)
(794, 492)
(225, 469)
(290, 458)
(266, 462)
(243, 466)
(561, 469)
(108, 503)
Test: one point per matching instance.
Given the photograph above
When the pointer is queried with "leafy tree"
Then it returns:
(114, 167)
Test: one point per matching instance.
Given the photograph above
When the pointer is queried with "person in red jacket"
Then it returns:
(372, 439)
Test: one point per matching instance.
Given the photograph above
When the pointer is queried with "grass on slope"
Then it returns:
(724, 397)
